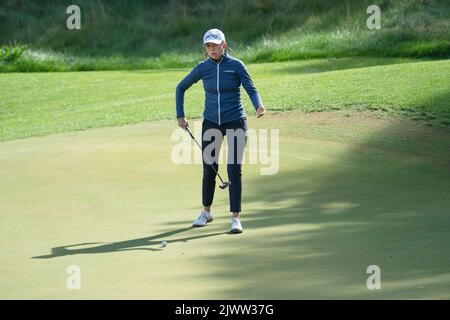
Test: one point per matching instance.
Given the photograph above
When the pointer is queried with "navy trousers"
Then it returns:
(236, 133)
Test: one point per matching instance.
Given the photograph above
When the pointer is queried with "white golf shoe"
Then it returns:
(236, 226)
(203, 219)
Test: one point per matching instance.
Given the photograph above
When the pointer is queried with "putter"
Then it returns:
(224, 184)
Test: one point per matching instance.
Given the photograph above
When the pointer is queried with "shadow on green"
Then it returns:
(126, 245)
(326, 224)
(314, 229)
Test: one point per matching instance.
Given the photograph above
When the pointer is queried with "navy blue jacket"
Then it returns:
(222, 83)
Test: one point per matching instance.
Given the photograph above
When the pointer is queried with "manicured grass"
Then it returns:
(350, 192)
(45, 103)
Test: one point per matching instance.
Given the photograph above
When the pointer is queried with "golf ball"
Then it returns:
(164, 244)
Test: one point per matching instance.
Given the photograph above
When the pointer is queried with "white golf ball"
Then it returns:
(164, 244)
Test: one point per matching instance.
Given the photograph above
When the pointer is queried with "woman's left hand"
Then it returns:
(260, 111)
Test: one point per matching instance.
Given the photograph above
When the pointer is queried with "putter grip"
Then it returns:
(190, 133)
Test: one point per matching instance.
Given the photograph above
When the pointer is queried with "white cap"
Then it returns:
(213, 35)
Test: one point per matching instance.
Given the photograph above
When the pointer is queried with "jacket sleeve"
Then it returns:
(185, 84)
(248, 85)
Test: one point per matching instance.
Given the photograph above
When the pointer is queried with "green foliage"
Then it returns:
(160, 34)
(11, 53)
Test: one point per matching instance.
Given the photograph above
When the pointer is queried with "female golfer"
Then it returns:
(222, 76)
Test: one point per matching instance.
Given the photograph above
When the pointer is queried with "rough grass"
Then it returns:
(118, 35)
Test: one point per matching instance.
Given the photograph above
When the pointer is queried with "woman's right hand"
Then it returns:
(182, 122)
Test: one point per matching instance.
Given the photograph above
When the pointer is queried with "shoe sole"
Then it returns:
(236, 231)
(201, 225)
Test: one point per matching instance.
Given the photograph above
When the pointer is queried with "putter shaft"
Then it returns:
(224, 184)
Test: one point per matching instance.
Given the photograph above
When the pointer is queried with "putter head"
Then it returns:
(225, 185)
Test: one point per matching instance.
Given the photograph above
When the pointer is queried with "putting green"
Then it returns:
(352, 191)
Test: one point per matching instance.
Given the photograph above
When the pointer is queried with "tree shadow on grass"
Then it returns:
(336, 64)
(319, 225)
(126, 245)
(435, 109)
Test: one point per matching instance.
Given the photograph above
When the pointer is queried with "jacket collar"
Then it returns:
(224, 57)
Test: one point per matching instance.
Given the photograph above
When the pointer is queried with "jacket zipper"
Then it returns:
(218, 91)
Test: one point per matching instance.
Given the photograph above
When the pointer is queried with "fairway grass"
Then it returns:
(353, 190)
(40, 104)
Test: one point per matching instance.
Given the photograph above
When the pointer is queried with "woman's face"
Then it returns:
(215, 51)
